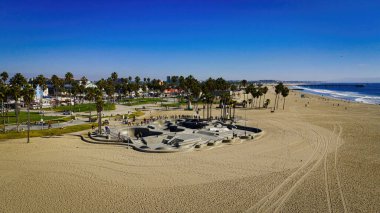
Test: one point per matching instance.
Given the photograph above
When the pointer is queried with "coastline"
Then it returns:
(352, 96)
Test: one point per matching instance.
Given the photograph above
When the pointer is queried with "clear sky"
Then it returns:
(235, 39)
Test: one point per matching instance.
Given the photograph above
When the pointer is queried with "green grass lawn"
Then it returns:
(84, 107)
(140, 101)
(34, 116)
(45, 132)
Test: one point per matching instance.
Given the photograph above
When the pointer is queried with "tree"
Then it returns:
(278, 89)
(264, 90)
(4, 76)
(99, 108)
(28, 96)
(3, 97)
(233, 87)
(284, 93)
(244, 83)
(266, 104)
(114, 76)
(17, 82)
(56, 82)
(4, 93)
(259, 94)
(75, 90)
(69, 77)
(40, 80)
(137, 80)
(253, 91)
(109, 89)
(101, 84)
(90, 96)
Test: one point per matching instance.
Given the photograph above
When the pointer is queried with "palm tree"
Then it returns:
(90, 96)
(56, 84)
(174, 80)
(266, 104)
(278, 89)
(99, 108)
(253, 91)
(40, 80)
(28, 96)
(69, 79)
(284, 93)
(234, 107)
(264, 90)
(82, 87)
(259, 94)
(244, 83)
(17, 82)
(137, 80)
(4, 76)
(3, 97)
(75, 90)
(114, 76)
(109, 89)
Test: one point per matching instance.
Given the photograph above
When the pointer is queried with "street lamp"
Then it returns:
(245, 128)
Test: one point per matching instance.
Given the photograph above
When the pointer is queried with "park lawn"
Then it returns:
(130, 116)
(140, 101)
(172, 105)
(136, 113)
(34, 116)
(84, 107)
(45, 132)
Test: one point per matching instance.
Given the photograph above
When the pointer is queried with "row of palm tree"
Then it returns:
(205, 92)
(256, 92)
(284, 91)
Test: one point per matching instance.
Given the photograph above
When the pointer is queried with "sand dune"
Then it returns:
(320, 158)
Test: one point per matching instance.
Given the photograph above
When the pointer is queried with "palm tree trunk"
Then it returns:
(283, 106)
(275, 100)
(210, 110)
(221, 110)
(234, 112)
(100, 122)
(17, 116)
(230, 112)
(203, 110)
(2, 112)
(263, 100)
(260, 102)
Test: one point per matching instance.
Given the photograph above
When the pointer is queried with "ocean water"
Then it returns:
(369, 93)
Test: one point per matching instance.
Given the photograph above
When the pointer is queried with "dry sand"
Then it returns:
(320, 158)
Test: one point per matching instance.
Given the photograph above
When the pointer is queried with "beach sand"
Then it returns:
(319, 158)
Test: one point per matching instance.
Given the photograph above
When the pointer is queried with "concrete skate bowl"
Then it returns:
(249, 129)
(133, 132)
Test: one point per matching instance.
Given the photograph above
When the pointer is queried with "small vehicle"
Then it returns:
(67, 113)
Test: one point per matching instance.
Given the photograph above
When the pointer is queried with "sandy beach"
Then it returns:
(315, 158)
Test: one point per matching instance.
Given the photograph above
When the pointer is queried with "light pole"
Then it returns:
(245, 128)
(28, 125)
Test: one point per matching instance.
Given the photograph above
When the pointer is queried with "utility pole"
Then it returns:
(28, 124)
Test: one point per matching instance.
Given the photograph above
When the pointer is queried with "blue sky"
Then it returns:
(286, 40)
